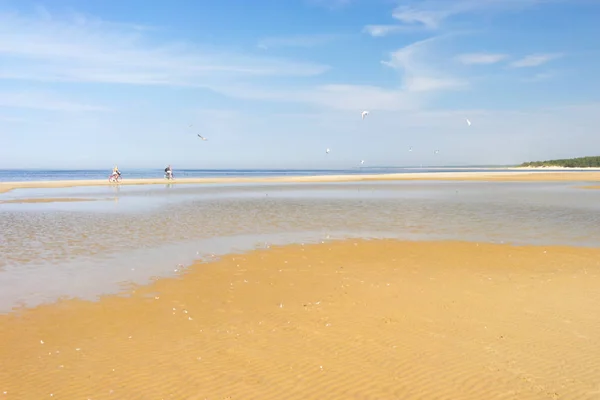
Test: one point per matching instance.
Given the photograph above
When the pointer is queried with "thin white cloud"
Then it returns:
(331, 97)
(539, 77)
(481, 58)
(419, 75)
(429, 19)
(421, 15)
(44, 101)
(49, 49)
(297, 41)
(382, 30)
(535, 60)
(431, 14)
(419, 80)
(45, 48)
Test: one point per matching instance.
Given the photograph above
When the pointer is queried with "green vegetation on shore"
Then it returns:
(580, 162)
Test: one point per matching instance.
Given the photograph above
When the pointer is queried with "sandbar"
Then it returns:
(591, 187)
(514, 176)
(379, 319)
(46, 200)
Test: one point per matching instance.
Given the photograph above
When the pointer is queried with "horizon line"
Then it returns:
(271, 169)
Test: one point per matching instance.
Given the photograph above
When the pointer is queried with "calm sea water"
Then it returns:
(18, 175)
(132, 233)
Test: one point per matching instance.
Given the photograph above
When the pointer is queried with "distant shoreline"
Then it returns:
(578, 162)
(560, 167)
(519, 174)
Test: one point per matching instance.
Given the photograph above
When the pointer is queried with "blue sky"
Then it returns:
(272, 83)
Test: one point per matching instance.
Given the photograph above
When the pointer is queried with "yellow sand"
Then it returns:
(45, 200)
(344, 320)
(459, 176)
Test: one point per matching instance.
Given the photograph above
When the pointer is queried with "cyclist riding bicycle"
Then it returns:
(116, 173)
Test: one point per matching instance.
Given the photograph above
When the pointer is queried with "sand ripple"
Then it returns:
(352, 319)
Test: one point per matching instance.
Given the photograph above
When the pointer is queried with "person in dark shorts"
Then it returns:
(168, 172)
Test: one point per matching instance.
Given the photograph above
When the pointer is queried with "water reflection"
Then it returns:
(154, 226)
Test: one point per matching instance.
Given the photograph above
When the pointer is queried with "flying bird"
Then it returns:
(327, 151)
(410, 149)
(364, 114)
(202, 137)
(362, 162)
(468, 122)
(436, 152)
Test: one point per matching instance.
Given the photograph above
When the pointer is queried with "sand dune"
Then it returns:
(473, 176)
(343, 320)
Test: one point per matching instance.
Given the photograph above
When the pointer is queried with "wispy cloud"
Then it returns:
(44, 101)
(427, 18)
(481, 58)
(534, 60)
(418, 74)
(431, 14)
(419, 79)
(383, 30)
(76, 49)
(337, 97)
(297, 41)
(542, 76)
(425, 14)
(50, 49)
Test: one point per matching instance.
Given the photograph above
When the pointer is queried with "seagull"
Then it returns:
(410, 149)
(202, 137)
(468, 122)
(364, 114)
(327, 151)
(362, 162)
(436, 152)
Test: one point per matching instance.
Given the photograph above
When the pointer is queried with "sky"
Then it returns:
(273, 84)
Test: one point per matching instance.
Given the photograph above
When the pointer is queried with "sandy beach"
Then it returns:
(45, 200)
(515, 176)
(351, 319)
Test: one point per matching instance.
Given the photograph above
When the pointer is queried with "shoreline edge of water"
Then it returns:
(546, 176)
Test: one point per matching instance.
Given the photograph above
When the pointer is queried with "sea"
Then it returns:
(20, 175)
(85, 242)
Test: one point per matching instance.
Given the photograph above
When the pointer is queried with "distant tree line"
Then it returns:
(581, 162)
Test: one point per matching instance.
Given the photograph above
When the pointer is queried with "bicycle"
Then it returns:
(114, 178)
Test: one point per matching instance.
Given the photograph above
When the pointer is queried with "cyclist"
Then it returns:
(116, 173)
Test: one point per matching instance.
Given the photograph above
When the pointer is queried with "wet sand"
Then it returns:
(352, 319)
(514, 176)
